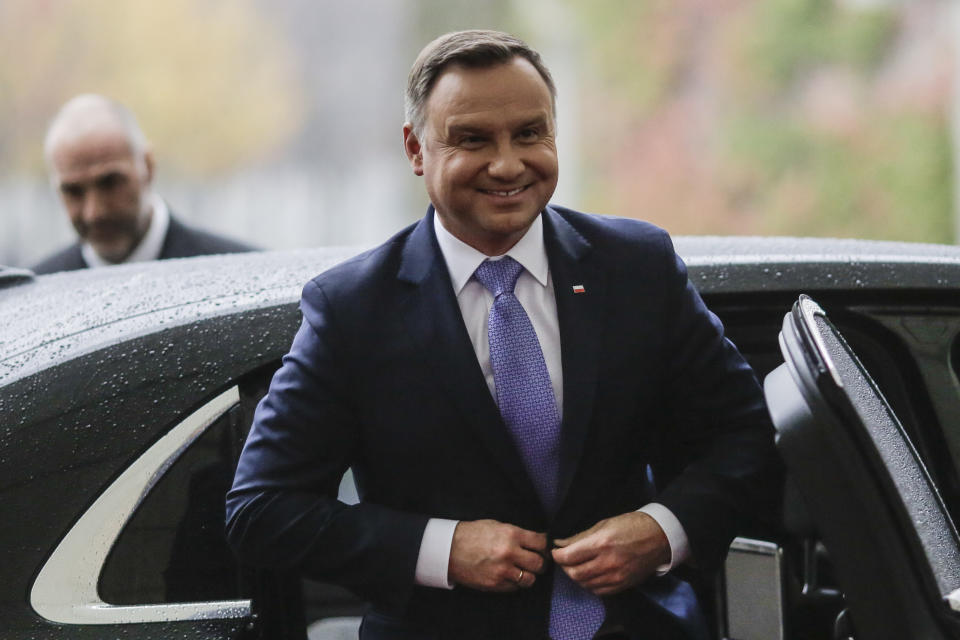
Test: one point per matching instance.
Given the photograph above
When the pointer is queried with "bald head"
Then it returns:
(102, 169)
(91, 113)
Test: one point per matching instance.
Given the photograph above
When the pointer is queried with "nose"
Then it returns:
(507, 163)
(94, 206)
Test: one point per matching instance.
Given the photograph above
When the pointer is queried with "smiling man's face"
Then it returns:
(487, 152)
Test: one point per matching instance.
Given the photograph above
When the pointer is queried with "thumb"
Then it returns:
(564, 542)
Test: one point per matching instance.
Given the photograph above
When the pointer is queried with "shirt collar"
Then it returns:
(462, 259)
(150, 245)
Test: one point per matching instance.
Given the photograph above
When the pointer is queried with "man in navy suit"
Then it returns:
(393, 373)
(102, 169)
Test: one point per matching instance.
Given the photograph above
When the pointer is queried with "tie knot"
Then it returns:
(499, 276)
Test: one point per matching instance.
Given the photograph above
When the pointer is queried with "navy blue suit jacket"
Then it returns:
(382, 377)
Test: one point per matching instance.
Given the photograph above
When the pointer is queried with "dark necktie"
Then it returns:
(529, 409)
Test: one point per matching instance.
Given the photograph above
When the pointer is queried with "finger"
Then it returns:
(583, 550)
(605, 583)
(512, 578)
(504, 579)
(604, 580)
(526, 579)
(564, 542)
(530, 561)
(592, 573)
(532, 540)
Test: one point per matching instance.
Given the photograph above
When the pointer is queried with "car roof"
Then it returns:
(742, 264)
(67, 314)
(58, 316)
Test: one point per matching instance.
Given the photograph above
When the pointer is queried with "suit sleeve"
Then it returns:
(282, 510)
(717, 437)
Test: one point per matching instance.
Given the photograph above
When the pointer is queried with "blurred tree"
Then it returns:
(436, 17)
(637, 49)
(770, 116)
(813, 146)
(784, 38)
(211, 81)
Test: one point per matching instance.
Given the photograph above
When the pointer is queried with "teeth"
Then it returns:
(507, 193)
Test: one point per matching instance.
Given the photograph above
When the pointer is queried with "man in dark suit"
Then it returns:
(102, 169)
(503, 377)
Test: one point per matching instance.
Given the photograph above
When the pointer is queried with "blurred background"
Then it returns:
(278, 122)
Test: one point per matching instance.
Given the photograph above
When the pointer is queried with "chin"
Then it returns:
(111, 253)
(511, 222)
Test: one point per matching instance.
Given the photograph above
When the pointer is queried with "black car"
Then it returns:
(126, 394)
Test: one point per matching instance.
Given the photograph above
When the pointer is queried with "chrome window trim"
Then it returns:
(953, 599)
(750, 545)
(65, 590)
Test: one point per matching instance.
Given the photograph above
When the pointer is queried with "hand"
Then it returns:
(489, 555)
(614, 554)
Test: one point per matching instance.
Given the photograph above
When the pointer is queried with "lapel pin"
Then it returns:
(578, 288)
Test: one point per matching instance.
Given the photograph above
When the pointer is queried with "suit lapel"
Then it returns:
(172, 241)
(435, 324)
(580, 314)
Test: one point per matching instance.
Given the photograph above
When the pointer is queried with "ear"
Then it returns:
(148, 165)
(411, 145)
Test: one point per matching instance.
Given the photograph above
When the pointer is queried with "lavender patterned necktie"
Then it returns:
(529, 409)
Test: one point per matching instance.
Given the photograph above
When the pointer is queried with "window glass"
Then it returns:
(173, 549)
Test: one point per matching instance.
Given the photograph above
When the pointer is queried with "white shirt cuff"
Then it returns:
(433, 562)
(676, 536)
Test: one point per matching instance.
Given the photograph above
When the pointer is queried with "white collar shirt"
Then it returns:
(534, 291)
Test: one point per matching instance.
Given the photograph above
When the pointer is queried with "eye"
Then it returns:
(529, 134)
(472, 141)
(110, 181)
(72, 191)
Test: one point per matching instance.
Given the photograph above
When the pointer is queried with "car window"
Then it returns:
(173, 547)
(911, 351)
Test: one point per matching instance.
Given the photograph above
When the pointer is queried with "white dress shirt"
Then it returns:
(534, 290)
(150, 245)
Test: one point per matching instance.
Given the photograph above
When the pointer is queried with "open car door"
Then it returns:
(892, 542)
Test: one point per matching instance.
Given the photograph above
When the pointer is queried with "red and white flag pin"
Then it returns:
(579, 288)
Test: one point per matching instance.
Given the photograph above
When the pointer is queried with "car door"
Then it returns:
(118, 466)
(893, 544)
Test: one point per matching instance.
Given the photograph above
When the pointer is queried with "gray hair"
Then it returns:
(474, 49)
(87, 109)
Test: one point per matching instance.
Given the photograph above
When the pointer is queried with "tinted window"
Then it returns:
(173, 548)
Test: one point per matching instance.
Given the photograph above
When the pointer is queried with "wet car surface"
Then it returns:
(126, 393)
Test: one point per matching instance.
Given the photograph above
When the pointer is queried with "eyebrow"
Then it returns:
(108, 176)
(539, 121)
(462, 129)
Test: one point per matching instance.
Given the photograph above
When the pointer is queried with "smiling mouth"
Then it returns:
(505, 194)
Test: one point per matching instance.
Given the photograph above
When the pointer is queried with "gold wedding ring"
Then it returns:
(520, 577)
